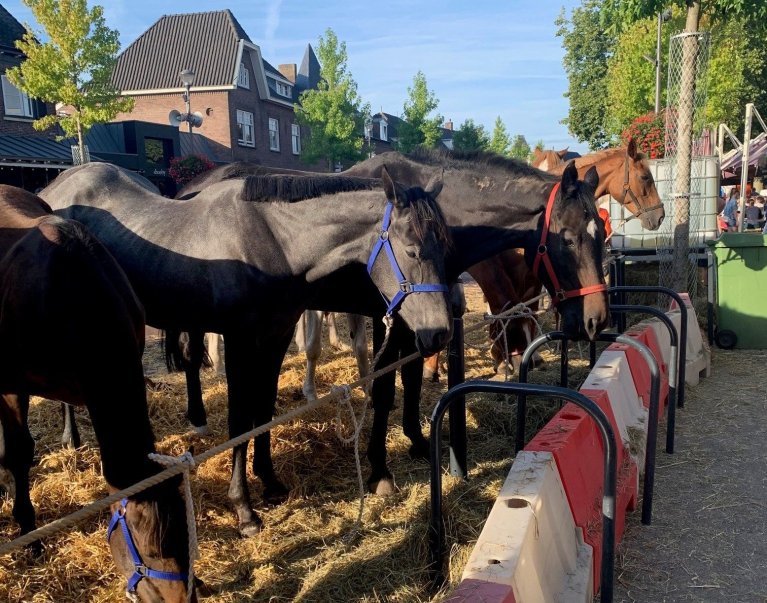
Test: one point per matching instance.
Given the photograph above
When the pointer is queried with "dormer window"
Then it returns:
(284, 90)
(243, 79)
(384, 130)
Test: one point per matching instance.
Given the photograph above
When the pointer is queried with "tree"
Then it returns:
(333, 111)
(470, 137)
(419, 128)
(74, 67)
(500, 142)
(587, 49)
(520, 149)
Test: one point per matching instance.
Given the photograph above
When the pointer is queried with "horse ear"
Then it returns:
(388, 185)
(569, 178)
(631, 149)
(563, 152)
(434, 188)
(592, 177)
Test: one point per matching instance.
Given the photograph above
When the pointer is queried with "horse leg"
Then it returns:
(70, 438)
(359, 339)
(412, 381)
(16, 452)
(335, 340)
(195, 407)
(301, 332)
(381, 480)
(216, 360)
(312, 320)
(431, 368)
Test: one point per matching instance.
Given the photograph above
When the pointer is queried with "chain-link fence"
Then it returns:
(688, 60)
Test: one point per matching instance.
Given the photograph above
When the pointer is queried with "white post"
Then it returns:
(744, 164)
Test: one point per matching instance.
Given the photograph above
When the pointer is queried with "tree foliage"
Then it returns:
(520, 149)
(587, 49)
(419, 128)
(333, 111)
(470, 137)
(499, 142)
(73, 67)
(184, 169)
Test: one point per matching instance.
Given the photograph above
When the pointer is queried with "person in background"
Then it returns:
(754, 215)
(730, 211)
(760, 204)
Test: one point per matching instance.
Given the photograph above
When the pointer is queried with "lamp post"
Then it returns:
(187, 77)
(368, 132)
(662, 18)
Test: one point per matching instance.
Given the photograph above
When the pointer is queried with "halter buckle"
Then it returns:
(542, 249)
(384, 235)
(406, 287)
(142, 570)
(561, 295)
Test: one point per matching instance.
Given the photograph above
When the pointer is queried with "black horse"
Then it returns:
(72, 329)
(490, 203)
(231, 263)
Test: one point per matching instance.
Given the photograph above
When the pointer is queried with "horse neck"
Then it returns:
(492, 213)
(322, 235)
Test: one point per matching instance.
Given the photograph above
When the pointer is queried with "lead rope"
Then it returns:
(187, 460)
(344, 395)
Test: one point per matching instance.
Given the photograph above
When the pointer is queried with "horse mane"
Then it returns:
(427, 215)
(297, 188)
(460, 159)
(159, 519)
(597, 156)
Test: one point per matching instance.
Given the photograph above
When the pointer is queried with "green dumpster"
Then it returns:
(741, 276)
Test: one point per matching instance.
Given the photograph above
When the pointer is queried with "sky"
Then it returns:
(482, 59)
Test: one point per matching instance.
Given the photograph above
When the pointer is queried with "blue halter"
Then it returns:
(141, 570)
(405, 286)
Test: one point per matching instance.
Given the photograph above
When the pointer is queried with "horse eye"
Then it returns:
(411, 253)
(570, 243)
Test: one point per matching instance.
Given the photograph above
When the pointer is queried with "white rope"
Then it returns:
(344, 395)
(187, 461)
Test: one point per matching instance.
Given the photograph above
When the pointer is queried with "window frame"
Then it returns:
(274, 134)
(383, 131)
(243, 82)
(295, 138)
(242, 124)
(26, 109)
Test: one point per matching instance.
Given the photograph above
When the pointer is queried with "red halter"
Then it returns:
(543, 255)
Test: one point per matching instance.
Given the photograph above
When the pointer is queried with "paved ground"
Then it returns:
(707, 541)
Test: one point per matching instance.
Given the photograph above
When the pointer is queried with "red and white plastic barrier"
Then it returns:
(542, 539)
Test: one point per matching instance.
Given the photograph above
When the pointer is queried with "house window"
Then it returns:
(283, 89)
(16, 103)
(245, 129)
(274, 134)
(295, 137)
(243, 80)
(384, 127)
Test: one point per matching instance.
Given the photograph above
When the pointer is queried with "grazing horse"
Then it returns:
(506, 280)
(72, 329)
(240, 260)
(491, 203)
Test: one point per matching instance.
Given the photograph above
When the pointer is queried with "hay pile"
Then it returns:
(301, 554)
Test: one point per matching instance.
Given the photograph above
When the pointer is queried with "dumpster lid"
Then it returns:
(739, 239)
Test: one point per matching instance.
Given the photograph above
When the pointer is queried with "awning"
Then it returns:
(34, 151)
(732, 160)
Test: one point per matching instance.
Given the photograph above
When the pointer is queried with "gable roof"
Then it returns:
(309, 73)
(10, 30)
(207, 43)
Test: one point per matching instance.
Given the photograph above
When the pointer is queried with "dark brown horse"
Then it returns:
(241, 260)
(490, 203)
(72, 329)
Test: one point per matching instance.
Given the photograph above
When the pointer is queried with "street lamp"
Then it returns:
(194, 120)
(662, 18)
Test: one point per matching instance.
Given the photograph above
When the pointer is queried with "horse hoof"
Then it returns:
(275, 495)
(430, 376)
(310, 395)
(201, 430)
(250, 529)
(383, 487)
(420, 451)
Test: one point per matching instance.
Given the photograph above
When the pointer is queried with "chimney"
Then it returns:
(448, 125)
(288, 70)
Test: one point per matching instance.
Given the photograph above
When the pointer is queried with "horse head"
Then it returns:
(569, 257)
(639, 193)
(149, 543)
(411, 273)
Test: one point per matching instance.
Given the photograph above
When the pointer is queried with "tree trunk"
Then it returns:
(80, 142)
(686, 106)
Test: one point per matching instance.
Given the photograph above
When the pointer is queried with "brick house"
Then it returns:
(246, 103)
(384, 133)
(28, 158)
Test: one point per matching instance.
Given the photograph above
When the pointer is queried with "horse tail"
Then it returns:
(177, 352)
